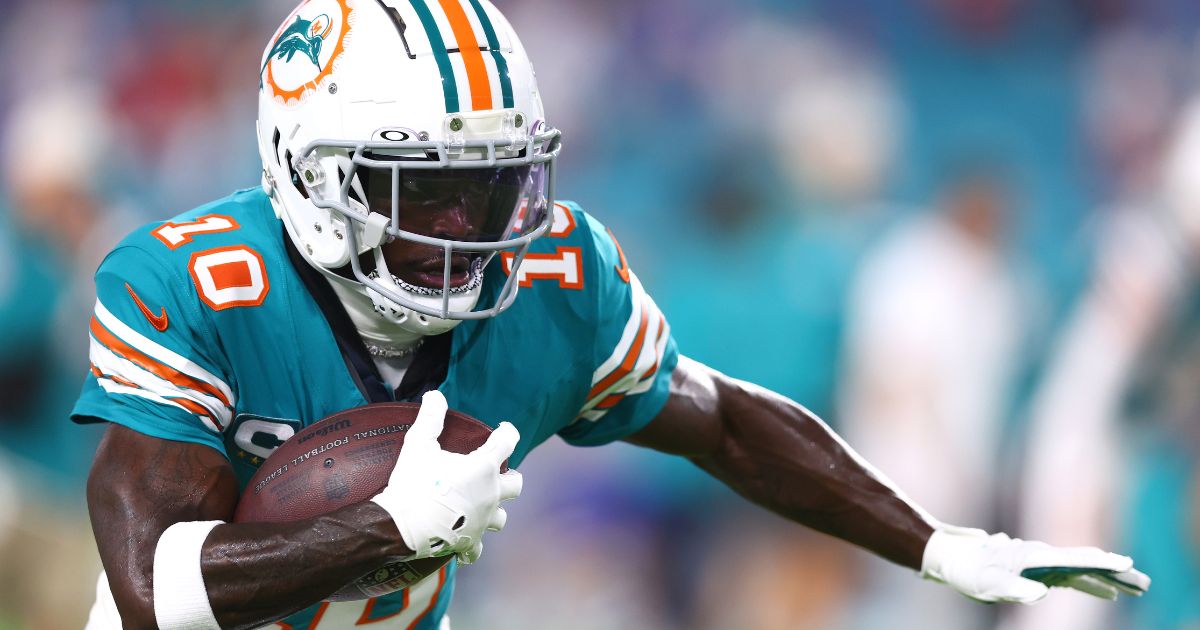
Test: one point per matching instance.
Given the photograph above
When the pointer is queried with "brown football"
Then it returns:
(344, 459)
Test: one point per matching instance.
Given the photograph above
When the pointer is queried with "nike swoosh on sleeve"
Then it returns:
(159, 322)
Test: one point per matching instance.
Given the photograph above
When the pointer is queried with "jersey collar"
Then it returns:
(429, 367)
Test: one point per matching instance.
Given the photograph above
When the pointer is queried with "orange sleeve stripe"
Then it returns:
(468, 47)
(114, 378)
(120, 381)
(610, 401)
(165, 372)
(628, 364)
(648, 373)
(662, 324)
(192, 406)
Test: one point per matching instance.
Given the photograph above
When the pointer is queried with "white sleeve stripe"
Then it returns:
(111, 363)
(649, 355)
(117, 369)
(160, 353)
(627, 335)
(639, 354)
(647, 382)
(116, 388)
(114, 364)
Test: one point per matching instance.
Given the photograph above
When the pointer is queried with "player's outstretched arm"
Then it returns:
(781, 456)
(256, 573)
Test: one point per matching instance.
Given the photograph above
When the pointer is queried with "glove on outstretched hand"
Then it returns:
(996, 568)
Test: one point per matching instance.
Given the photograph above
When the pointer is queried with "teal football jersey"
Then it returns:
(209, 328)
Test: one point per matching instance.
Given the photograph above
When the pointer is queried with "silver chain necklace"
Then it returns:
(388, 352)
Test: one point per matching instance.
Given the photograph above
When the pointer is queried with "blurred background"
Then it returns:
(965, 232)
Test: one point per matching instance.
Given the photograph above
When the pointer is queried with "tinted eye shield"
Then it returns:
(533, 159)
(459, 204)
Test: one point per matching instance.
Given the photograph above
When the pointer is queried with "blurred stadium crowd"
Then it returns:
(966, 232)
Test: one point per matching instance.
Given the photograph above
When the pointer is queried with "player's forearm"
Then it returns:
(781, 456)
(253, 573)
(257, 573)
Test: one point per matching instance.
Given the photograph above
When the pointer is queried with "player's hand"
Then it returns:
(442, 502)
(996, 568)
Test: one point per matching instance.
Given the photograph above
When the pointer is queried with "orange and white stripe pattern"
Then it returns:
(631, 367)
(128, 363)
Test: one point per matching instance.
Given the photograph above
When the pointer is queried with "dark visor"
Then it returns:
(475, 205)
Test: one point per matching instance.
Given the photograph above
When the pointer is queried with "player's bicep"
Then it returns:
(691, 422)
(138, 487)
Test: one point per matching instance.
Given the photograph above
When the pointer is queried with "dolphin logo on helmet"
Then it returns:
(305, 36)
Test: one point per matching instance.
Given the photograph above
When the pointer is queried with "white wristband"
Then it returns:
(180, 599)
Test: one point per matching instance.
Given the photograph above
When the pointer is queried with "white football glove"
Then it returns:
(442, 502)
(996, 568)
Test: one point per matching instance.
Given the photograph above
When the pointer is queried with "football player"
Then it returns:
(407, 197)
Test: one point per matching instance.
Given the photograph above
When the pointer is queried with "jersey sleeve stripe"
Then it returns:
(630, 360)
(640, 353)
(660, 348)
(164, 356)
(192, 406)
(659, 342)
(112, 377)
(116, 388)
(121, 370)
(610, 401)
(167, 373)
(627, 335)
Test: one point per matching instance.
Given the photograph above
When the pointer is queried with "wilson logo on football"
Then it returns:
(305, 49)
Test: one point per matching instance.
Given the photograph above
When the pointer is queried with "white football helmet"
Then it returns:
(410, 131)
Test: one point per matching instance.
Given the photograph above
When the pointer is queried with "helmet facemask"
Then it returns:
(428, 216)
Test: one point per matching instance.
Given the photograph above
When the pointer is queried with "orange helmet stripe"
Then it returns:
(468, 47)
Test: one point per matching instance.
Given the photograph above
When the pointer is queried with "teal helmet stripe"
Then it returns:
(440, 55)
(494, 44)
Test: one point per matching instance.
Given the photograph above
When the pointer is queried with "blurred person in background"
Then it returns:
(55, 142)
(789, 237)
(934, 331)
(1136, 317)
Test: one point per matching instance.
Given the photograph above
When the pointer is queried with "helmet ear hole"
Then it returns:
(275, 145)
(299, 186)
